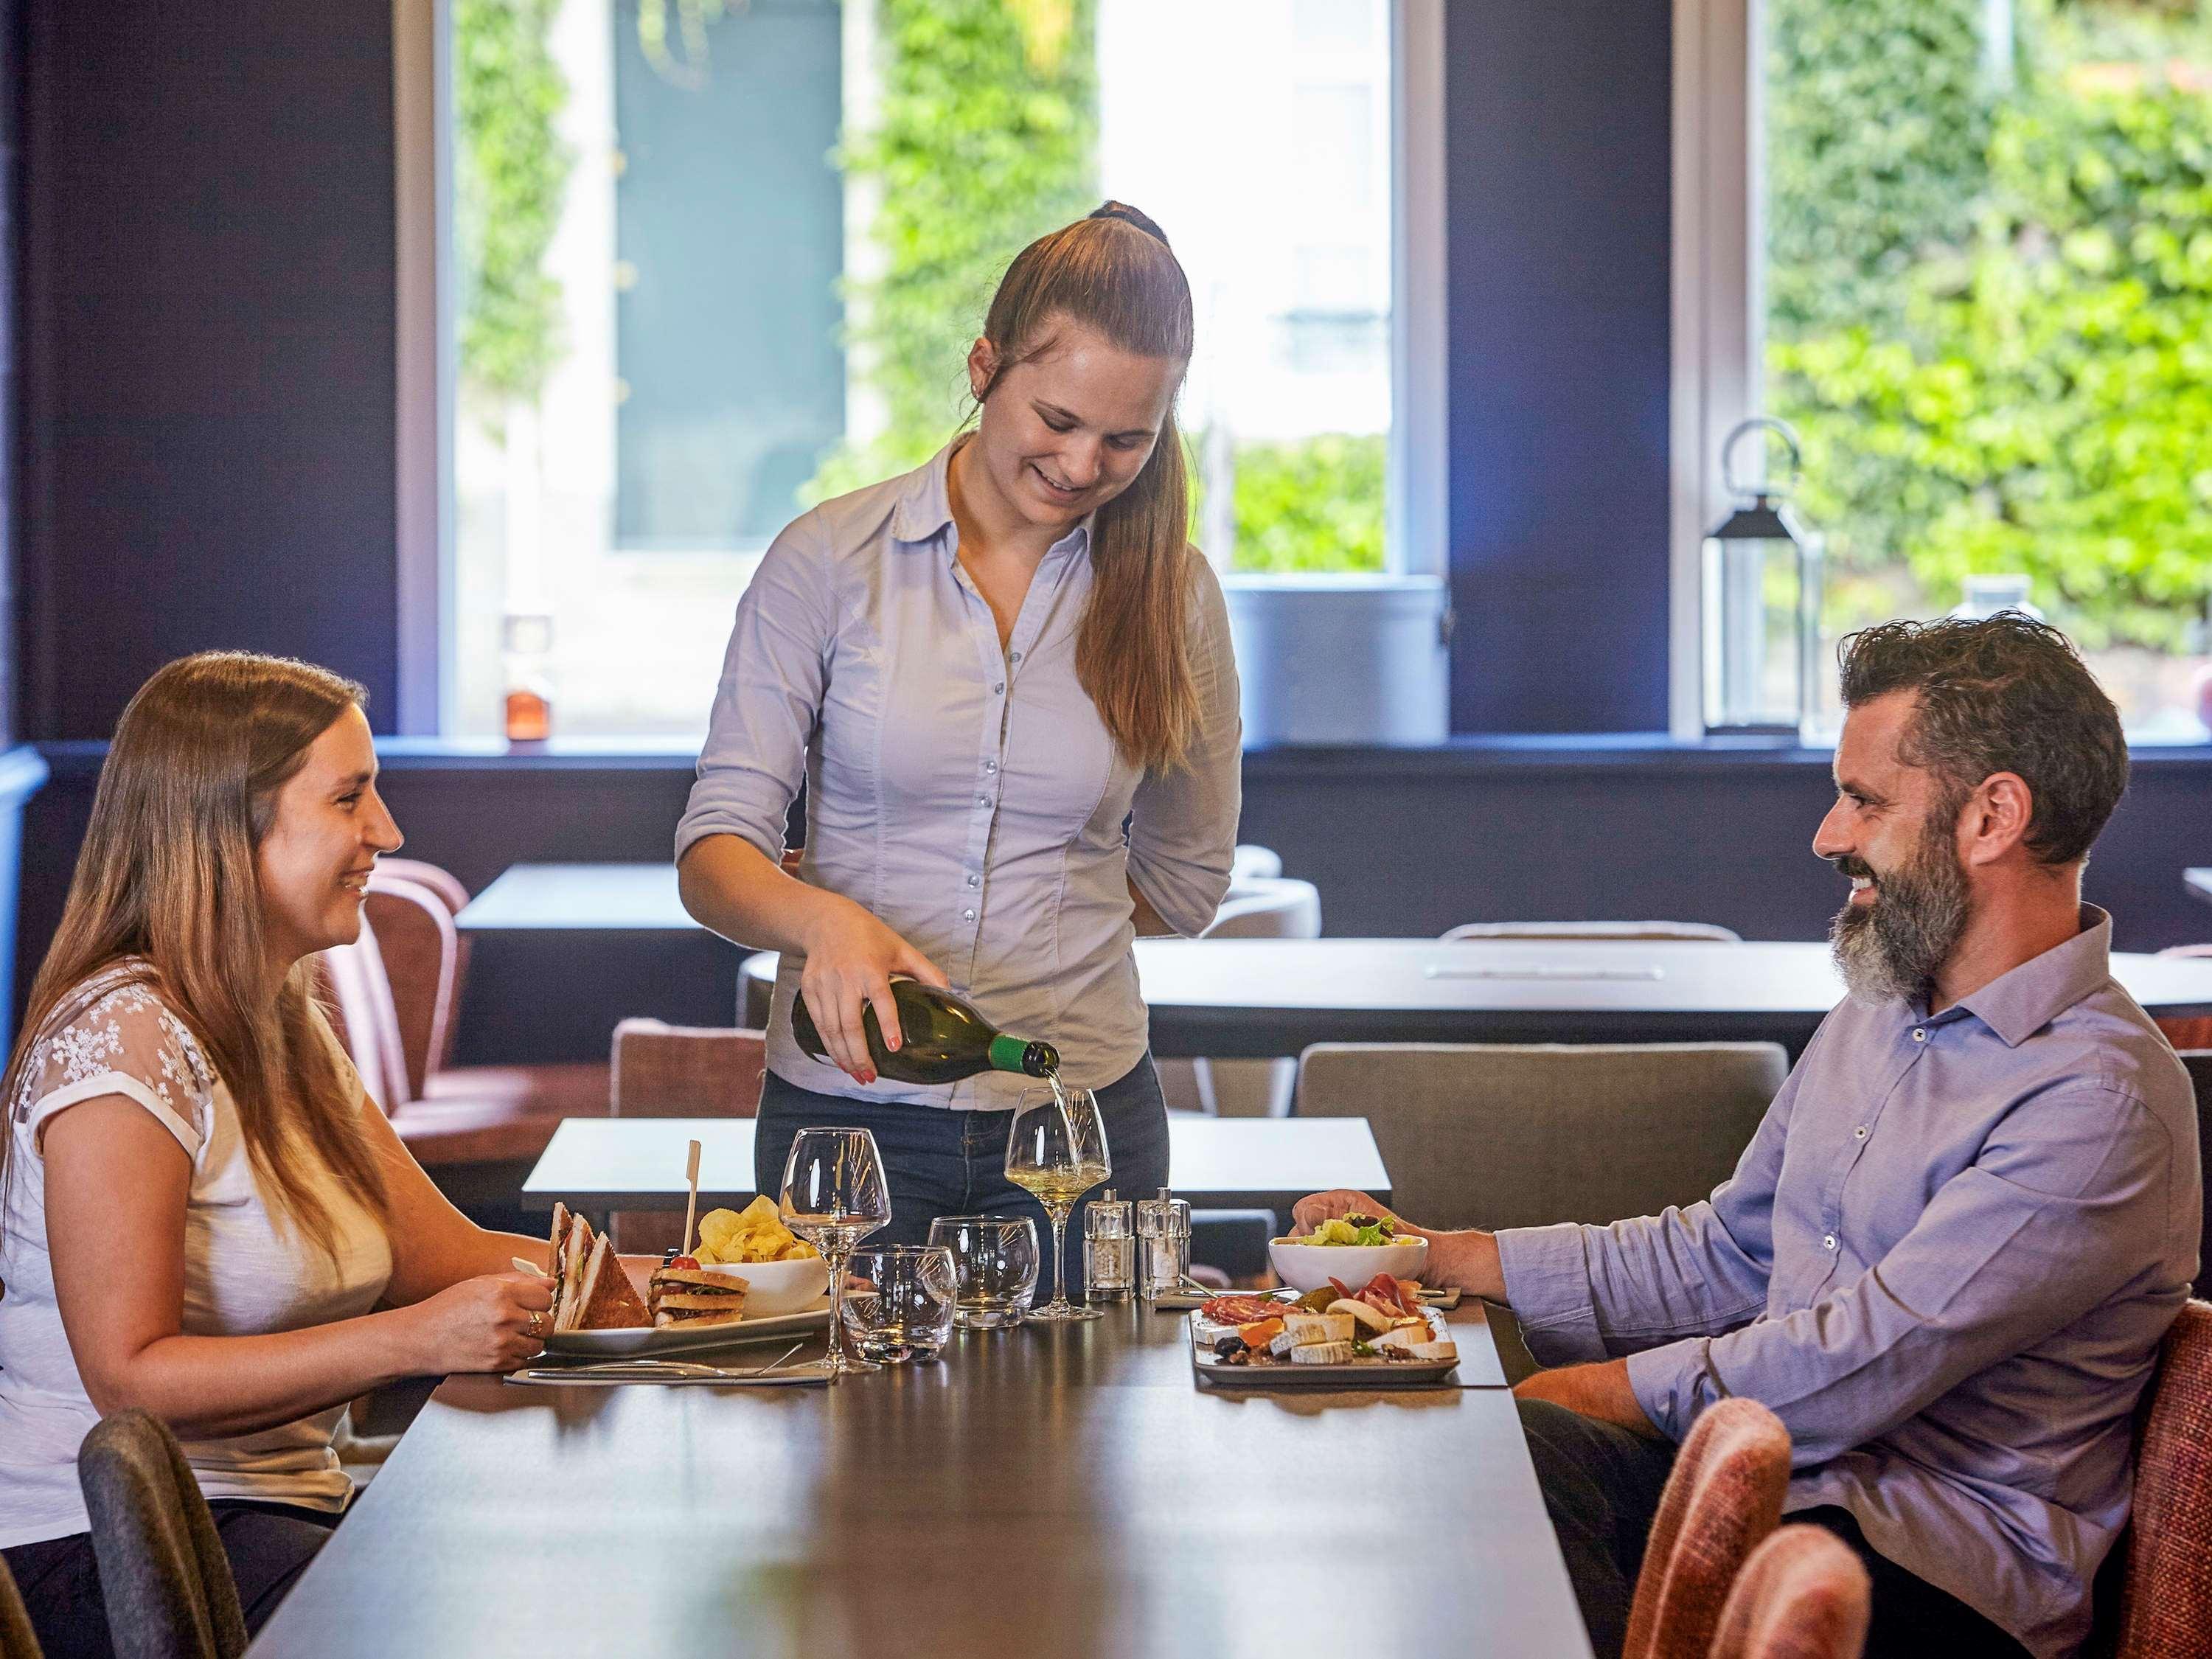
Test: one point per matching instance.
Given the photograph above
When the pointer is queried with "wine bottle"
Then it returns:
(942, 1039)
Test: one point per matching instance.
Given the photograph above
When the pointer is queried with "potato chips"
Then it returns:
(727, 1238)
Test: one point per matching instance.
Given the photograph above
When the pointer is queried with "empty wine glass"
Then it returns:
(834, 1196)
(1056, 1149)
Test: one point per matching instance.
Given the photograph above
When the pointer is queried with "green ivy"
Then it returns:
(512, 173)
(2022, 381)
(1310, 504)
(981, 144)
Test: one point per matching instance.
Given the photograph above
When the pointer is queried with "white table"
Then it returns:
(637, 1162)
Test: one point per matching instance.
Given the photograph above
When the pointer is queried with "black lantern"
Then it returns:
(1762, 604)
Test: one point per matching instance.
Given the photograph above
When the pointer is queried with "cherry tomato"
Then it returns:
(690, 1262)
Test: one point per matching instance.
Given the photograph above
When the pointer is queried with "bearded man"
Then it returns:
(1949, 1254)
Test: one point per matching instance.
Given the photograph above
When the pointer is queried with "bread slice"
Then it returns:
(688, 1297)
(597, 1295)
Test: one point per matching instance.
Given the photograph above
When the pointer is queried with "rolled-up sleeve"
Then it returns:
(1590, 1292)
(1182, 825)
(769, 696)
(2066, 1204)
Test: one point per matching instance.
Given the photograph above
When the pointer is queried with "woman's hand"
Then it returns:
(494, 1322)
(850, 958)
(1311, 1211)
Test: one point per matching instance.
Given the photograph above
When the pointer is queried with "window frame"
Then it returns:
(1417, 535)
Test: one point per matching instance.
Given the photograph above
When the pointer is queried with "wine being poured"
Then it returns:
(1056, 1149)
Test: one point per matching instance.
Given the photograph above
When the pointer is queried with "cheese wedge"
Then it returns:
(1404, 1339)
(1321, 1353)
(1361, 1313)
(1433, 1351)
(1282, 1344)
(1309, 1328)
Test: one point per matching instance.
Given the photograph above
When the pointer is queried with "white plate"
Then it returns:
(641, 1339)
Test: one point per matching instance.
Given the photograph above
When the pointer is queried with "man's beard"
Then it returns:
(1896, 946)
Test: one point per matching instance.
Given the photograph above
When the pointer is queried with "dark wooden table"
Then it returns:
(2199, 883)
(1038, 1494)
(637, 1162)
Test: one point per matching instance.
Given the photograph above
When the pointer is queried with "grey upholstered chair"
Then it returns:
(1506, 1135)
(17, 1639)
(163, 1571)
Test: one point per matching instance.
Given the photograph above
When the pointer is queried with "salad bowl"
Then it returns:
(1305, 1265)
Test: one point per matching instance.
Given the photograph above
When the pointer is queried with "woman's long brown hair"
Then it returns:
(1114, 273)
(168, 874)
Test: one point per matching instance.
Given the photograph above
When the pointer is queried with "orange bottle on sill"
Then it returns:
(529, 641)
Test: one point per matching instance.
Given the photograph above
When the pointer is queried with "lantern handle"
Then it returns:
(1761, 424)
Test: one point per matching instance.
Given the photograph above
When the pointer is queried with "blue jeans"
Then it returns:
(954, 1163)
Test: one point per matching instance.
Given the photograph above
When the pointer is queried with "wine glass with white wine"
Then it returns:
(1056, 1150)
(834, 1196)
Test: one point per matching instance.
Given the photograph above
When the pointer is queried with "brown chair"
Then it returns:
(680, 1071)
(2194, 1032)
(396, 994)
(1723, 1499)
(2166, 1595)
(1802, 1594)
(2199, 1064)
(17, 1639)
(1500, 933)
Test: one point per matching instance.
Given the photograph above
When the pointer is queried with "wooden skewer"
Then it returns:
(691, 1204)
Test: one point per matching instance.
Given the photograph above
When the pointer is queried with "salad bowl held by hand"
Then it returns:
(1306, 1263)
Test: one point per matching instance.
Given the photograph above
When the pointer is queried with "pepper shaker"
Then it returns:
(1162, 1245)
(1108, 1268)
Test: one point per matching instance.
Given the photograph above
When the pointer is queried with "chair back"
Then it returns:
(163, 1574)
(367, 1018)
(1506, 932)
(2199, 1064)
(420, 948)
(17, 1639)
(1804, 1594)
(679, 1071)
(1265, 907)
(2166, 1595)
(2188, 1030)
(1251, 863)
(1723, 1499)
(1508, 1135)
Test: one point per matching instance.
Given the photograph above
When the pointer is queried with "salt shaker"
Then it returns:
(1107, 1250)
(1162, 1245)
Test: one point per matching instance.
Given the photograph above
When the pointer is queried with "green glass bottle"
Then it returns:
(944, 1039)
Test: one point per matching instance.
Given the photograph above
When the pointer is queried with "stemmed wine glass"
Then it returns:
(1056, 1149)
(834, 1196)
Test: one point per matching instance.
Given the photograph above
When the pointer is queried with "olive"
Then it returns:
(1227, 1345)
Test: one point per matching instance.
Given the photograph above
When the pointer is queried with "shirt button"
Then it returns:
(1015, 657)
(990, 766)
(967, 915)
(998, 688)
(982, 800)
(1860, 1132)
(1920, 1033)
(1829, 1242)
(974, 880)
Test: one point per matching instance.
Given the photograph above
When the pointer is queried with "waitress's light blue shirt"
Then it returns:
(1945, 1260)
(969, 797)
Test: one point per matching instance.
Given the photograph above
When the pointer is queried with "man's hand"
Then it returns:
(1308, 1212)
(1600, 1391)
(1468, 1259)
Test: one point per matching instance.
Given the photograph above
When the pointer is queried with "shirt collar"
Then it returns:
(925, 507)
(2018, 1003)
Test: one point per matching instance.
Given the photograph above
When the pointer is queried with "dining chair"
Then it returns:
(1722, 1500)
(1268, 907)
(2188, 1031)
(2166, 1592)
(659, 1070)
(1250, 862)
(1804, 1594)
(1513, 1135)
(1491, 932)
(2198, 1064)
(17, 1639)
(163, 1575)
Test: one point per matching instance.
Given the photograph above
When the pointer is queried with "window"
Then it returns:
(1980, 288)
(712, 260)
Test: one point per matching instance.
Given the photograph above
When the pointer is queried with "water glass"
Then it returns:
(898, 1301)
(994, 1265)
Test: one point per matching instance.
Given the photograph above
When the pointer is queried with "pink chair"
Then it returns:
(680, 1071)
(1723, 1498)
(2166, 1595)
(1803, 1595)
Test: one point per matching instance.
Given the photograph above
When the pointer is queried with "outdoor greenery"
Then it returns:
(986, 137)
(1991, 315)
(512, 173)
(1312, 504)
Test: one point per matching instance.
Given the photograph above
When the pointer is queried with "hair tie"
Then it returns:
(1129, 215)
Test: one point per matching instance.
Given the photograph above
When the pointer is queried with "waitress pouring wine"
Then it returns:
(1006, 680)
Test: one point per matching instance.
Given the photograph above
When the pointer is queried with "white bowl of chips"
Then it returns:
(783, 1272)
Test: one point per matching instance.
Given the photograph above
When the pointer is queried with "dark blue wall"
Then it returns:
(208, 366)
(1559, 133)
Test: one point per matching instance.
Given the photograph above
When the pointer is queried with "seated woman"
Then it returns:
(201, 1212)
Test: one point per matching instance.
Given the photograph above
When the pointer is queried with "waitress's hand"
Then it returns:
(850, 958)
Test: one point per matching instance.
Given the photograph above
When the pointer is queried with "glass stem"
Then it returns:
(836, 1264)
(1059, 1258)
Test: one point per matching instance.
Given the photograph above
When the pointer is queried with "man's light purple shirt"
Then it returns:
(1945, 1260)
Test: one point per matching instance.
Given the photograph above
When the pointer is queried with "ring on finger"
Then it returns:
(536, 1323)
